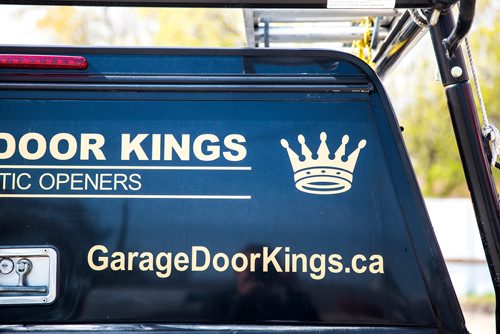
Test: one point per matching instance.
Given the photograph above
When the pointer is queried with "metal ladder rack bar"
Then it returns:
(209, 3)
(320, 15)
(312, 34)
(277, 26)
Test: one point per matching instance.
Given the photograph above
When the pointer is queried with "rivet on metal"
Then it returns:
(456, 72)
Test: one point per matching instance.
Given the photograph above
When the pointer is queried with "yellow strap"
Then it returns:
(362, 47)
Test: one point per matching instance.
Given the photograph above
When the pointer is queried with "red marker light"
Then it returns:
(42, 61)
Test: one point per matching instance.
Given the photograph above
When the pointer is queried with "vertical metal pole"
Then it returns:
(266, 32)
(468, 135)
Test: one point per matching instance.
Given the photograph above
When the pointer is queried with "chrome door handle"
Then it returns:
(23, 268)
(28, 275)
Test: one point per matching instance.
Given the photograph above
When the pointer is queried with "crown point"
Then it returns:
(322, 136)
(301, 139)
(345, 139)
(362, 143)
(284, 143)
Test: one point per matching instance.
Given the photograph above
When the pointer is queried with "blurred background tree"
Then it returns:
(199, 27)
(94, 26)
(419, 100)
(131, 26)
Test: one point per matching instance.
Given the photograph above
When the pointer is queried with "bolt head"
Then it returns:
(456, 72)
(6, 266)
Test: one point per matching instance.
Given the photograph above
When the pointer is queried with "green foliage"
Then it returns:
(428, 133)
(421, 106)
(485, 302)
(486, 44)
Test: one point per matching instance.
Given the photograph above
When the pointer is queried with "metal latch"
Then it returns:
(28, 275)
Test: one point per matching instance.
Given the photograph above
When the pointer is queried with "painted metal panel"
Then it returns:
(253, 206)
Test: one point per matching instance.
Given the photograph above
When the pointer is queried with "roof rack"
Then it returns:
(341, 26)
(337, 4)
(393, 32)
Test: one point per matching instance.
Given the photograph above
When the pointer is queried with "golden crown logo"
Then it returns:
(323, 176)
